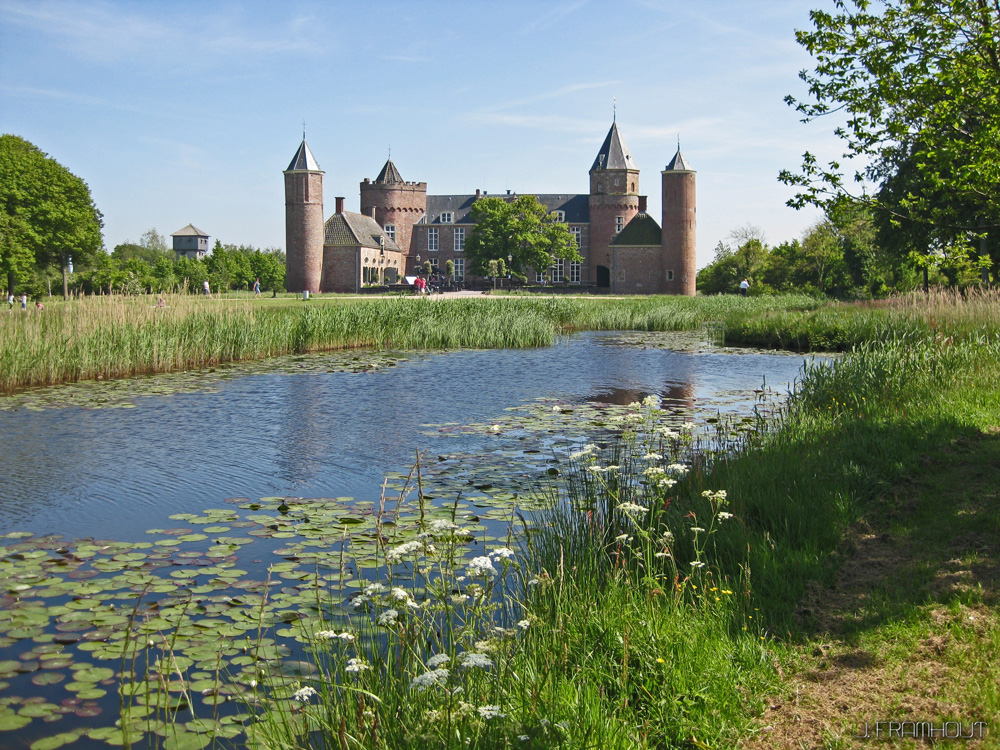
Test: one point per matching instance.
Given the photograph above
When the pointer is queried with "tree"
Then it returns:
(522, 230)
(919, 86)
(45, 210)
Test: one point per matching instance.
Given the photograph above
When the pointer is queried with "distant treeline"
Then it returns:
(149, 266)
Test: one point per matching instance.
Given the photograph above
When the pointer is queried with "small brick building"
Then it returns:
(624, 250)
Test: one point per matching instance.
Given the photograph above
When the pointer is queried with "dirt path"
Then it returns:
(909, 629)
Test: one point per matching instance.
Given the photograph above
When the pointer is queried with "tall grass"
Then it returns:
(111, 337)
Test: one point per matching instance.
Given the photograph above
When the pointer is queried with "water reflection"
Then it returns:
(116, 472)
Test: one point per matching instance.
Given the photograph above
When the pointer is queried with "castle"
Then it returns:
(624, 250)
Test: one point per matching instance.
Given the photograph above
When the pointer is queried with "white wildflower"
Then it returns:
(473, 660)
(668, 433)
(388, 617)
(653, 471)
(596, 469)
(400, 595)
(356, 665)
(631, 509)
(395, 554)
(430, 679)
(662, 554)
(687, 426)
(652, 401)
(437, 660)
(304, 694)
(330, 635)
(459, 598)
(668, 536)
(634, 405)
(533, 582)
(490, 712)
(697, 564)
(678, 469)
(697, 529)
(360, 601)
(723, 516)
(666, 483)
(524, 624)
(443, 526)
(652, 457)
(481, 566)
(373, 588)
(502, 553)
(622, 538)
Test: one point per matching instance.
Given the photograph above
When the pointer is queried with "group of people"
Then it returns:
(24, 302)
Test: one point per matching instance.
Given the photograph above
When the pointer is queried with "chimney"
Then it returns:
(373, 212)
(477, 192)
(642, 204)
(340, 205)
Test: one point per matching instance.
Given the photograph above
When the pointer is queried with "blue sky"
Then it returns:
(179, 112)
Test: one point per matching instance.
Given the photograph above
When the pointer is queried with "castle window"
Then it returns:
(432, 239)
(670, 275)
(434, 264)
(619, 223)
(577, 233)
(459, 239)
(632, 188)
(559, 216)
(390, 231)
(446, 217)
(558, 270)
(574, 272)
(459, 269)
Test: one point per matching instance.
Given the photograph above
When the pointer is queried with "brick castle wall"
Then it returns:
(399, 204)
(679, 224)
(304, 232)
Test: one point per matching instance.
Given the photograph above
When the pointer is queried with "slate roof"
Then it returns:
(351, 230)
(678, 163)
(642, 230)
(189, 231)
(614, 154)
(389, 174)
(575, 207)
(303, 161)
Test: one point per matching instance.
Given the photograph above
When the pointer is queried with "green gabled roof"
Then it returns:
(642, 230)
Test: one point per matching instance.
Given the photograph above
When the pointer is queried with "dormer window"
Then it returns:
(447, 217)
(559, 216)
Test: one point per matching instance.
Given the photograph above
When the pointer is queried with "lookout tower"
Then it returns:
(304, 221)
(679, 206)
(396, 205)
(614, 200)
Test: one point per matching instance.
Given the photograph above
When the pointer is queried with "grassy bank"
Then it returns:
(112, 337)
(671, 603)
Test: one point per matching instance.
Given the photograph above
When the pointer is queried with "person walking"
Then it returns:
(10, 302)
(745, 287)
(24, 301)
(207, 288)
(256, 288)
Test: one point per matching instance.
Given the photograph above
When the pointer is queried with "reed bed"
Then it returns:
(113, 337)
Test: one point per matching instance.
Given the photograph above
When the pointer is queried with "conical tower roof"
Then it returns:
(678, 163)
(614, 154)
(389, 174)
(303, 161)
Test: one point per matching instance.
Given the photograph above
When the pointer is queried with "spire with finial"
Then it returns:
(614, 109)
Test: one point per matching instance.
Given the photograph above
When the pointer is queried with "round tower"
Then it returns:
(679, 207)
(614, 200)
(395, 204)
(304, 231)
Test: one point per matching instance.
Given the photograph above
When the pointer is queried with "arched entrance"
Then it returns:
(603, 277)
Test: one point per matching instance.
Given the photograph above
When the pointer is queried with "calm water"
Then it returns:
(113, 473)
